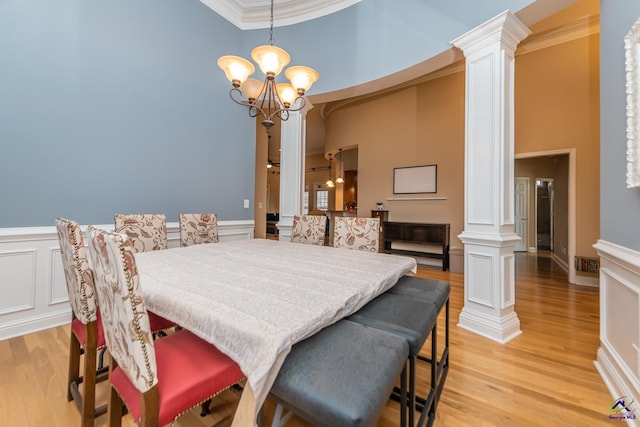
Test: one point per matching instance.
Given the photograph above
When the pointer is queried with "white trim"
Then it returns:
(575, 30)
(618, 360)
(248, 15)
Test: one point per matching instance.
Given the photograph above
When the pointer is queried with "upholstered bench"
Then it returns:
(436, 292)
(409, 318)
(342, 376)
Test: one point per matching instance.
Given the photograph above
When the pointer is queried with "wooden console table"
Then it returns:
(429, 235)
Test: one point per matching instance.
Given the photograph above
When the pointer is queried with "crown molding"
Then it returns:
(255, 14)
(575, 30)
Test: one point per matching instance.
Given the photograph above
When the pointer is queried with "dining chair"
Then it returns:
(87, 335)
(157, 380)
(356, 233)
(309, 229)
(147, 232)
(86, 330)
(198, 228)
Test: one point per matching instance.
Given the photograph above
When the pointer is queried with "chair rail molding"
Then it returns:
(618, 358)
(33, 291)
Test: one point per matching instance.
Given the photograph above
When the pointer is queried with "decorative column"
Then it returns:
(489, 236)
(292, 160)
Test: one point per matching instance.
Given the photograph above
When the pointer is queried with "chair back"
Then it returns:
(147, 232)
(356, 233)
(198, 228)
(309, 229)
(78, 274)
(124, 317)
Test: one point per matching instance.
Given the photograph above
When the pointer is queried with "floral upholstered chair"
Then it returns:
(309, 229)
(87, 336)
(147, 232)
(356, 233)
(86, 328)
(198, 228)
(156, 380)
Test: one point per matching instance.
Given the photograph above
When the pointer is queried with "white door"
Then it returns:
(522, 213)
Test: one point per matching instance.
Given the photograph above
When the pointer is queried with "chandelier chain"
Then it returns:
(271, 40)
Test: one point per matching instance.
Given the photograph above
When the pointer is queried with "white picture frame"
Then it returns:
(632, 71)
(415, 179)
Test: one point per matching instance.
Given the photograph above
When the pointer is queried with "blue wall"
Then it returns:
(619, 206)
(118, 106)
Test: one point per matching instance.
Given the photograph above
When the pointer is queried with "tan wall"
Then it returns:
(556, 107)
(420, 125)
(557, 98)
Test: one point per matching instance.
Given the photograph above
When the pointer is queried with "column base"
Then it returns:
(502, 329)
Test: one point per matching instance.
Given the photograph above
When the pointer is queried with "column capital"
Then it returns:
(505, 28)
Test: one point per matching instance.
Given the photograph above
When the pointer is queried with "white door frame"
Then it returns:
(523, 245)
(571, 213)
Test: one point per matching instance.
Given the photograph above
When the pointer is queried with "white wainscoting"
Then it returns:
(619, 354)
(33, 292)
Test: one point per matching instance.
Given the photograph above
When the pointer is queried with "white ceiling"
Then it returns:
(254, 14)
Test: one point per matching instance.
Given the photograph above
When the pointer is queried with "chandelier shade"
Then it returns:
(270, 59)
(236, 69)
(266, 98)
(301, 77)
(286, 93)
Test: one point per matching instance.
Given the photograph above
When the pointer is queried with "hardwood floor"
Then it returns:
(544, 377)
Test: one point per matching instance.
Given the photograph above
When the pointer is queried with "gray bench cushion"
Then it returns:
(409, 318)
(342, 376)
(425, 289)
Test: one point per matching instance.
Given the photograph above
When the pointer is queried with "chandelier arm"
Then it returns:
(254, 109)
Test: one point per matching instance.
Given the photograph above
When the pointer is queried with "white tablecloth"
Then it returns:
(253, 299)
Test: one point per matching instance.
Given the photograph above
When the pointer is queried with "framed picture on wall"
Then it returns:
(415, 180)
(632, 68)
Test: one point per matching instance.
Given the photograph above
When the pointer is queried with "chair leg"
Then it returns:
(74, 364)
(205, 408)
(280, 419)
(115, 406)
(150, 407)
(403, 397)
(412, 390)
(89, 375)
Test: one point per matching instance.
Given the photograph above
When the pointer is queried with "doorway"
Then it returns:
(544, 214)
(552, 205)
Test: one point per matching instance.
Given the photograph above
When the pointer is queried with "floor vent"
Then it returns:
(590, 265)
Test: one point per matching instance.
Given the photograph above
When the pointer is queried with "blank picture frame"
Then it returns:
(415, 180)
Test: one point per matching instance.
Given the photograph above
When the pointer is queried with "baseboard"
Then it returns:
(31, 324)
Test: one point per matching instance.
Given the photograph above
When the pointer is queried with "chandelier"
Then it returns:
(340, 179)
(329, 183)
(267, 98)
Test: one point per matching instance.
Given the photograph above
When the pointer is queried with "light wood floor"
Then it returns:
(544, 377)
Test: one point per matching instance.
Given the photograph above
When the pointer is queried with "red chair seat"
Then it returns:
(158, 323)
(189, 370)
(80, 331)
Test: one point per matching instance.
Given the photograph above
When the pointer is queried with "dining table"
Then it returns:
(255, 298)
